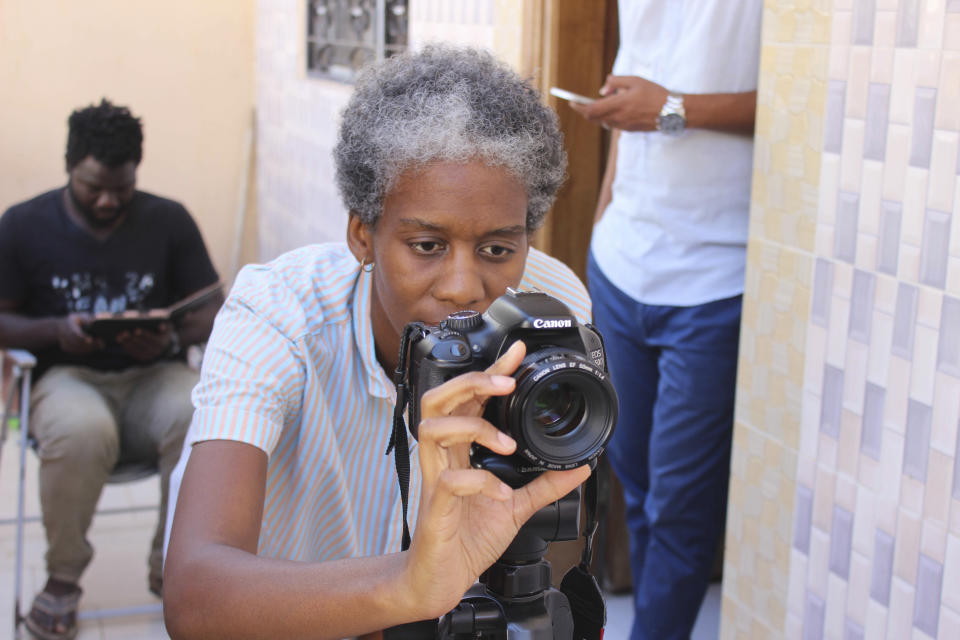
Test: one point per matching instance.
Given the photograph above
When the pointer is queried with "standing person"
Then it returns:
(99, 244)
(666, 273)
(288, 517)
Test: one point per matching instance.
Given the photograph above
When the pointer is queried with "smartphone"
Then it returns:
(569, 95)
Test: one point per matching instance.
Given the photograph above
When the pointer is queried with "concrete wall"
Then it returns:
(844, 518)
(185, 67)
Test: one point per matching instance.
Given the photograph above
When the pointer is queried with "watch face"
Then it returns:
(672, 123)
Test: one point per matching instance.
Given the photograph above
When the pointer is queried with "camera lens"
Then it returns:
(558, 407)
(563, 410)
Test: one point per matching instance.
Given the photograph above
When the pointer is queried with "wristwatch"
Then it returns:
(673, 118)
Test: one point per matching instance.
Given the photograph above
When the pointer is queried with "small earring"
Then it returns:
(366, 268)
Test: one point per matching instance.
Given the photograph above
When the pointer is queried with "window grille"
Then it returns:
(344, 35)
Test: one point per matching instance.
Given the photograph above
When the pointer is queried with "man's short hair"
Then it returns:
(109, 133)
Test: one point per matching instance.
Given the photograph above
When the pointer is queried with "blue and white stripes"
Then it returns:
(291, 368)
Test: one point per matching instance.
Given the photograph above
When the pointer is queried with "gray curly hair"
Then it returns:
(445, 103)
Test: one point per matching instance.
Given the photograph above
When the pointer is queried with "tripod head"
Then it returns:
(514, 598)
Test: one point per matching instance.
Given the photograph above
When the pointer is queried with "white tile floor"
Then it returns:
(117, 577)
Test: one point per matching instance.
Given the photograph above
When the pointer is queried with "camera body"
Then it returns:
(564, 407)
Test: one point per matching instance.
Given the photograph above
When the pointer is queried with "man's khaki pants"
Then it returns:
(84, 422)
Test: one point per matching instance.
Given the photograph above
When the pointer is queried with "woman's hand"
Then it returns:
(467, 516)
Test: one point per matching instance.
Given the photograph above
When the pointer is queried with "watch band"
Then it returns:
(673, 117)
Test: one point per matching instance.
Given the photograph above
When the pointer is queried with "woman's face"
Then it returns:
(452, 236)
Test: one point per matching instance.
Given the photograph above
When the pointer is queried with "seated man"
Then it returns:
(99, 245)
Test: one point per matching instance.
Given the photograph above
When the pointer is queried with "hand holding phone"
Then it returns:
(569, 95)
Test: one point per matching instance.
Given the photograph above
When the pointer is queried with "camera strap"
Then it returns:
(398, 438)
(578, 584)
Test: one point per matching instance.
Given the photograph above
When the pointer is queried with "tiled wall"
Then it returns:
(849, 391)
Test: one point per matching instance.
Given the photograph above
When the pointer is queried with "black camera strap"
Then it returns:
(578, 584)
(398, 438)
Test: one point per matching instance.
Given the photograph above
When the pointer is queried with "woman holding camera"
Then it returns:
(288, 519)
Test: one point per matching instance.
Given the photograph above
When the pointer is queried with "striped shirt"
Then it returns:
(291, 368)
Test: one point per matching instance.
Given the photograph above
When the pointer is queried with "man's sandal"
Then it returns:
(54, 617)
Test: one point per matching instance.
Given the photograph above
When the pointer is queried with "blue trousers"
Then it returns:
(674, 369)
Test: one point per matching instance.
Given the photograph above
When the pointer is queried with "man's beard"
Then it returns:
(89, 214)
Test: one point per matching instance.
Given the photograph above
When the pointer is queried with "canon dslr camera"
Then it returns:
(563, 409)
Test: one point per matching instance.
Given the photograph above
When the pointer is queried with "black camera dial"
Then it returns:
(464, 320)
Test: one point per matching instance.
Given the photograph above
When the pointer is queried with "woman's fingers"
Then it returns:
(451, 431)
(451, 411)
(510, 360)
(468, 392)
(546, 488)
(471, 482)
(445, 443)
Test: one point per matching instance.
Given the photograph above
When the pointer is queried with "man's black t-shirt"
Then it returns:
(49, 266)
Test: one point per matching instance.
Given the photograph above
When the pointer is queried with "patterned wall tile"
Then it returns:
(834, 617)
(882, 573)
(841, 535)
(907, 22)
(864, 17)
(948, 92)
(878, 363)
(803, 519)
(926, 610)
(917, 445)
(943, 169)
(934, 252)
(948, 350)
(880, 371)
(845, 240)
(813, 617)
(923, 367)
(861, 306)
(946, 414)
(951, 574)
(871, 438)
(858, 588)
(875, 625)
(949, 624)
(900, 617)
(822, 292)
(833, 123)
(831, 401)
(885, 31)
(878, 116)
(852, 631)
(956, 469)
(904, 321)
(924, 108)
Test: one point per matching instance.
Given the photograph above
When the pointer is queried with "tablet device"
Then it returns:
(108, 325)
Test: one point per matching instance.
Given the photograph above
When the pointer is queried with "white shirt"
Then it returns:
(291, 369)
(675, 231)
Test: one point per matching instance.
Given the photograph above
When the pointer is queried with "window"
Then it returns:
(344, 35)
